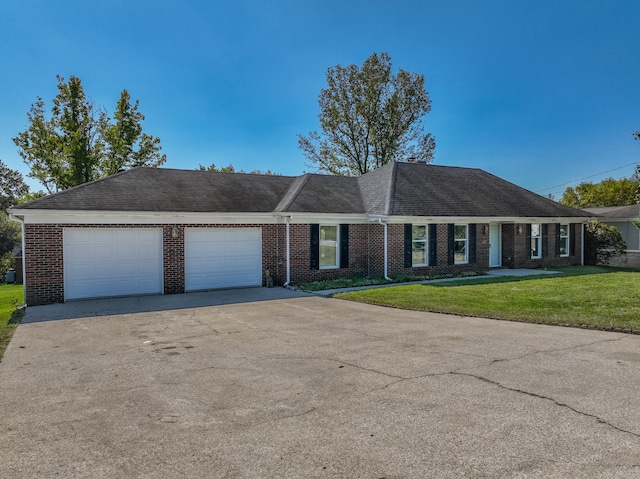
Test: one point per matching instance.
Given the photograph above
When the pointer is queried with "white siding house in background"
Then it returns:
(626, 220)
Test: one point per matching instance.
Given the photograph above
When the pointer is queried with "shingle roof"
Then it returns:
(402, 189)
(160, 189)
(632, 211)
(326, 194)
(431, 190)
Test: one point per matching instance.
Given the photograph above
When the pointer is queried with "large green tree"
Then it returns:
(12, 187)
(78, 142)
(126, 145)
(369, 116)
(609, 192)
(12, 190)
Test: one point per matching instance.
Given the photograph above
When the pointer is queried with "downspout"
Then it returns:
(582, 246)
(385, 248)
(24, 269)
(287, 221)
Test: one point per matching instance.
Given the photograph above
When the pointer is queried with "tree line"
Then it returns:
(369, 116)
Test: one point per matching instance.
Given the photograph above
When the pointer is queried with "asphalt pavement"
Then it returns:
(270, 383)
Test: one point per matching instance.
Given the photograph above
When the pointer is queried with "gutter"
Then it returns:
(24, 269)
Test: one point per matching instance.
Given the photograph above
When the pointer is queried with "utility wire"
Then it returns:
(587, 177)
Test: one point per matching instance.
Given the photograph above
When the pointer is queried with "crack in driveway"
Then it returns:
(532, 353)
(457, 372)
(540, 396)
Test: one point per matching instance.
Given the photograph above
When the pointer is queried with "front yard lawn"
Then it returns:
(10, 315)
(596, 297)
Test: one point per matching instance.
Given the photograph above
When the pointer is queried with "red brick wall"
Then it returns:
(43, 264)
(44, 254)
(520, 253)
(363, 238)
(396, 252)
(508, 245)
(366, 253)
(173, 258)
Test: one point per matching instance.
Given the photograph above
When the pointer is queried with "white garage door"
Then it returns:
(112, 262)
(222, 258)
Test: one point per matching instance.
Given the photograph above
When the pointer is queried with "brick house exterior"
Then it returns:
(453, 208)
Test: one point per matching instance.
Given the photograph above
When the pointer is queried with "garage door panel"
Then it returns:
(105, 253)
(103, 262)
(102, 270)
(222, 258)
(80, 273)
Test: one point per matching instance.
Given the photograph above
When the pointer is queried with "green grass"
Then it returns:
(10, 315)
(591, 296)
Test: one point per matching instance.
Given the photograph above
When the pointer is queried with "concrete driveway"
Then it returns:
(274, 384)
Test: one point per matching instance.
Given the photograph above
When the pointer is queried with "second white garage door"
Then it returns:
(222, 258)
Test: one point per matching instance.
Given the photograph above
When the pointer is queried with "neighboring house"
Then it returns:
(154, 231)
(626, 220)
(16, 254)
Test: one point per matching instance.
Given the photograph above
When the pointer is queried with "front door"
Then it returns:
(495, 245)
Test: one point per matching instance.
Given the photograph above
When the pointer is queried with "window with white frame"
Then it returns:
(419, 245)
(329, 250)
(563, 247)
(536, 241)
(460, 244)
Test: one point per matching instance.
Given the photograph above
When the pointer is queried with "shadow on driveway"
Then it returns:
(143, 304)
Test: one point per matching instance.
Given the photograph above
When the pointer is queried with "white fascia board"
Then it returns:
(141, 217)
(337, 218)
(606, 219)
(479, 219)
(34, 216)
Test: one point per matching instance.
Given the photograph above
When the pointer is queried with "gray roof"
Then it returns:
(632, 211)
(160, 189)
(401, 189)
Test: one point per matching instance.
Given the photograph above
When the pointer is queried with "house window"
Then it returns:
(564, 240)
(418, 245)
(536, 241)
(460, 244)
(329, 251)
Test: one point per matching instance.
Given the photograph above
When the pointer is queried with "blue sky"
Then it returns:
(538, 92)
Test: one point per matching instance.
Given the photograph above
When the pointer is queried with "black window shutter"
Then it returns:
(433, 249)
(558, 239)
(545, 239)
(572, 239)
(450, 243)
(314, 246)
(528, 240)
(472, 242)
(408, 244)
(344, 246)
